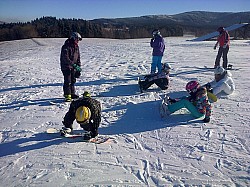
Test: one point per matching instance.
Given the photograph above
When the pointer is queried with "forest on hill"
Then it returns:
(196, 23)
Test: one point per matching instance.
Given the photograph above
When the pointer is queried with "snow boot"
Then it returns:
(229, 67)
(164, 111)
(65, 131)
(67, 98)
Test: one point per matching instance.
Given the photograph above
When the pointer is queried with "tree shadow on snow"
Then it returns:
(103, 81)
(194, 70)
(141, 117)
(36, 141)
(31, 86)
(39, 102)
(121, 90)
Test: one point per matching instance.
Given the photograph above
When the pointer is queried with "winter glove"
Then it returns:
(215, 47)
(94, 133)
(87, 136)
(77, 74)
(77, 68)
(206, 119)
(208, 87)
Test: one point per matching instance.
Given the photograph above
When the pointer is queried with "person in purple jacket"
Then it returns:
(157, 43)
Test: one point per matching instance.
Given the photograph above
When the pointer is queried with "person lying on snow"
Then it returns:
(197, 103)
(160, 79)
(222, 83)
(87, 112)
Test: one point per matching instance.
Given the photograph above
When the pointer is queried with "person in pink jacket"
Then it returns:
(223, 40)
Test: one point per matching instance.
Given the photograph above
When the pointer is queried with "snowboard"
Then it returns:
(206, 67)
(58, 101)
(212, 97)
(97, 140)
(229, 67)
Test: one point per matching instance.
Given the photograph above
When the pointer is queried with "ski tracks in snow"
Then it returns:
(148, 151)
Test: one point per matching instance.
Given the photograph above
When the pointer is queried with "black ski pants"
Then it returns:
(162, 83)
(222, 52)
(69, 82)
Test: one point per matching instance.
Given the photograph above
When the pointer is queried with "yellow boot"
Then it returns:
(67, 98)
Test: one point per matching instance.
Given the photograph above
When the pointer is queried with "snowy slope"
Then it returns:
(148, 150)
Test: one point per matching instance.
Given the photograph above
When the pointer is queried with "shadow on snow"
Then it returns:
(142, 117)
(37, 141)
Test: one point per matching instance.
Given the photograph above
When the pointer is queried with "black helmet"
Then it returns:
(76, 36)
(156, 32)
(166, 66)
(221, 29)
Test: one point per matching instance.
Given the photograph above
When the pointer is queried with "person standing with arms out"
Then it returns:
(70, 65)
(157, 43)
(223, 40)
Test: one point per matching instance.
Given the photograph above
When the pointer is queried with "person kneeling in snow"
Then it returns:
(222, 82)
(87, 112)
(197, 103)
(160, 79)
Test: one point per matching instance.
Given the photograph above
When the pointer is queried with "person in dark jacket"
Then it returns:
(160, 79)
(223, 40)
(158, 45)
(87, 112)
(70, 65)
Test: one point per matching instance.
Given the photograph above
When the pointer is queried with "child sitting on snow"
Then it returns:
(222, 82)
(197, 103)
(160, 79)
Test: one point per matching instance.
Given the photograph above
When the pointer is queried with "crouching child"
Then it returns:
(87, 112)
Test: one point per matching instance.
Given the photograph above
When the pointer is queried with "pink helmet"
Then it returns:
(192, 86)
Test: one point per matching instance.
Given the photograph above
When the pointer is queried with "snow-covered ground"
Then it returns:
(148, 150)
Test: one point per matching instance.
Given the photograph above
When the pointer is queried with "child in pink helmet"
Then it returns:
(197, 103)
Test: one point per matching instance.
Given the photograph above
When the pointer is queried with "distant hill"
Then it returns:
(197, 22)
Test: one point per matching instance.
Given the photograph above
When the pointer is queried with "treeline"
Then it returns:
(51, 27)
(48, 27)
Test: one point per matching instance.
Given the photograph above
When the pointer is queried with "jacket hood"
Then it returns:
(69, 41)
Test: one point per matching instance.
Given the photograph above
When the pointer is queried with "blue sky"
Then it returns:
(27, 10)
